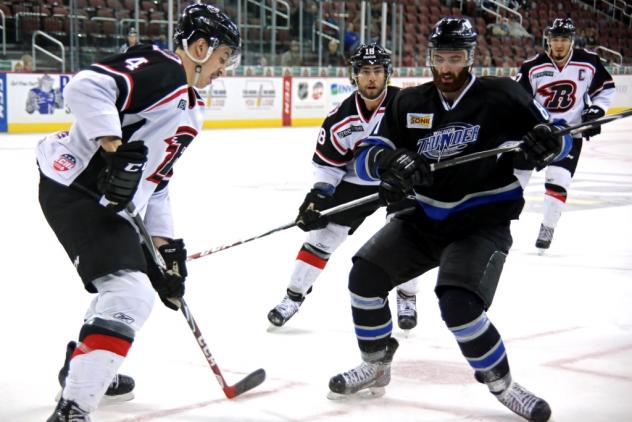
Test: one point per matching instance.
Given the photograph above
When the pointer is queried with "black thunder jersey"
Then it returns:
(341, 133)
(488, 112)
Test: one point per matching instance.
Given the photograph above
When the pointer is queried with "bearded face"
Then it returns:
(371, 81)
(450, 69)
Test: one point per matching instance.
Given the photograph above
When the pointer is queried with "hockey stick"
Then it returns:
(507, 146)
(516, 145)
(251, 380)
(330, 211)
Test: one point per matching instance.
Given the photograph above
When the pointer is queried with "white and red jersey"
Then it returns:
(566, 91)
(340, 134)
(141, 95)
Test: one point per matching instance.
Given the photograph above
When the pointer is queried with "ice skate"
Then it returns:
(366, 380)
(524, 403)
(121, 388)
(68, 411)
(545, 237)
(406, 311)
(286, 309)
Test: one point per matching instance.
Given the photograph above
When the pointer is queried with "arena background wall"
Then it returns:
(248, 101)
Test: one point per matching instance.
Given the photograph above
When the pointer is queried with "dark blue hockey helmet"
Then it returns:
(453, 33)
(208, 22)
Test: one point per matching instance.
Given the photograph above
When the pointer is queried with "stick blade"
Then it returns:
(249, 382)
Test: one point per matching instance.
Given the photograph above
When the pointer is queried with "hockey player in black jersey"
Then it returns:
(462, 222)
(135, 114)
(335, 183)
(572, 84)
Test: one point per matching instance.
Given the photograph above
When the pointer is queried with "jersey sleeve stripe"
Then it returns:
(334, 138)
(606, 85)
(328, 160)
(128, 83)
(170, 97)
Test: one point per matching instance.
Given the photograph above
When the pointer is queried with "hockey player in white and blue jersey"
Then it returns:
(572, 84)
(335, 182)
(135, 114)
(462, 222)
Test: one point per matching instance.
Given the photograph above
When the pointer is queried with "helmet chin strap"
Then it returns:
(198, 62)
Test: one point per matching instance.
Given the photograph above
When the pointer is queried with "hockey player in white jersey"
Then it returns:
(335, 182)
(135, 114)
(572, 84)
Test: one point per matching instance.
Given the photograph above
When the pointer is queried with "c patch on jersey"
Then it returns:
(419, 121)
(64, 162)
(448, 141)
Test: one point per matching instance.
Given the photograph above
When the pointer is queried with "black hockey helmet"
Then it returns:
(453, 33)
(561, 27)
(205, 21)
(370, 54)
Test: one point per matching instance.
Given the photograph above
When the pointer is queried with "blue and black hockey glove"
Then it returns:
(591, 113)
(399, 171)
(318, 199)
(541, 145)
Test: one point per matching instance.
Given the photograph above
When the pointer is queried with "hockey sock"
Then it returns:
(369, 286)
(94, 363)
(476, 336)
(554, 201)
(310, 262)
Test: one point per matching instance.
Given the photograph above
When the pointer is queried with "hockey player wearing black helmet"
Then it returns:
(461, 221)
(451, 54)
(372, 64)
(125, 106)
(571, 84)
(208, 42)
(560, 37)
(335, 183)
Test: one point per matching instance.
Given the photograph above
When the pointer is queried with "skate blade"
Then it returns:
(541, 251)
(367, 394)
(106, 400)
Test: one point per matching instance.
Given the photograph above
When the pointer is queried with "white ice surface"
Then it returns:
(566, 317)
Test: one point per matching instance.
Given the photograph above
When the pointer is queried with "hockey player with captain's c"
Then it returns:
(115, 157)
(336, 183)
(462, 220)
(572, 84)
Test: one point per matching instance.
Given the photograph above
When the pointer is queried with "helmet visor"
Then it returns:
(453, 57)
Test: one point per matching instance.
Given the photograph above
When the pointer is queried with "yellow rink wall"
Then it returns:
(28, 105)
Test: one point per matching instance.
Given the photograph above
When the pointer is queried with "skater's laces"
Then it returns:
(546, 233)
(519, 400)
(406, 306)
(287, 307)
(361, 374)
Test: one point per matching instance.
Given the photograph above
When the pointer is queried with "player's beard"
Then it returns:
(458, 80)
(374, 93)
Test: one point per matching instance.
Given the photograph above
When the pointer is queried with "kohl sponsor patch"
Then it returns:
(64, 162)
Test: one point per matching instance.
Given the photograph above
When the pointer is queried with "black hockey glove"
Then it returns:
(316, 200)
(399, 171)
(541, 145)
(170, 284)
(592, 113)
(122, 173)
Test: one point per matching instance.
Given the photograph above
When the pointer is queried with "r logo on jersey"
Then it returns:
(419, 121)
(558, 96)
